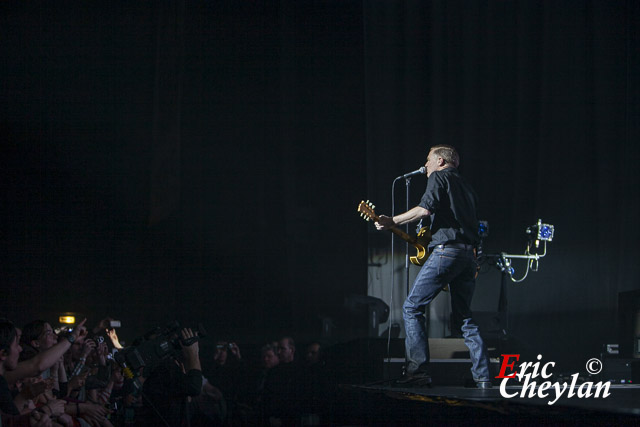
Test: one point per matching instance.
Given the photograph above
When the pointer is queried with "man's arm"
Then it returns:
(192, 380)
(43, 360)
(412, 215)
(191, 351)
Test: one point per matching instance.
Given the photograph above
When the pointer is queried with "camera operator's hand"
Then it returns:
(190, 352)
(235, 350)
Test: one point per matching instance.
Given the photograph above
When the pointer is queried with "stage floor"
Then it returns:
(383, 403)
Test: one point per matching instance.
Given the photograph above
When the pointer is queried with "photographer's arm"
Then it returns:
(45, 359)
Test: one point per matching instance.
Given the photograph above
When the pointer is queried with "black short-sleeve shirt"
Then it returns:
(453, 205)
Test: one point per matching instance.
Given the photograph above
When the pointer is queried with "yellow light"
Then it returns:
(70, 320)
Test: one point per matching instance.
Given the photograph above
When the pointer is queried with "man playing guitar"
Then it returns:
(451, 203)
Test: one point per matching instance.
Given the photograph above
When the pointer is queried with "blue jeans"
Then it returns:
(456, 268)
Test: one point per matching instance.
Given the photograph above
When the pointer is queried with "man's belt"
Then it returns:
(455, 246)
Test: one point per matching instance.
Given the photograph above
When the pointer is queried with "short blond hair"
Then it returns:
(448, 154)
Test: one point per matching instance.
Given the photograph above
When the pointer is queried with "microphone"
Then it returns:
(420, 171)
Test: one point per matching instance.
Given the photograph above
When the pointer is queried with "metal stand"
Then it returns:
(502, 304)
(502, 262)
(406, 259)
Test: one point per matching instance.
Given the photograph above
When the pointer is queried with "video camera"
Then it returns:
(154, 347)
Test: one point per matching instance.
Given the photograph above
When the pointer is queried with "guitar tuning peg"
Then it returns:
(373, 206)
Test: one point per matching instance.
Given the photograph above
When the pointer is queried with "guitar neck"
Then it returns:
(367, 212)
(404, 236)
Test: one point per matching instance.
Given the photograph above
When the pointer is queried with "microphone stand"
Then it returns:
(406, 258)
(406, 265)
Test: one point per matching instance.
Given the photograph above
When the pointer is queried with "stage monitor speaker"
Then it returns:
(366, 313)
(620, 371)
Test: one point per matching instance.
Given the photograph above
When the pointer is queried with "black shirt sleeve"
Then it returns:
(434, 194)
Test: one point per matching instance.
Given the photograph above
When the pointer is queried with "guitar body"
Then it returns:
(421, 243)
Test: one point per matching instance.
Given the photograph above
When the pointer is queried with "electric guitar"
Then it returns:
(421, 242)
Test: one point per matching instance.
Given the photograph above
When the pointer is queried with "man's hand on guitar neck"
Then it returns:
(385, 222)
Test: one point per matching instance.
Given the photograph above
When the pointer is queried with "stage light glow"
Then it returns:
(67, 320)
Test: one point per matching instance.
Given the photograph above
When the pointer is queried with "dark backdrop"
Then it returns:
(190, 161)
(202, 161)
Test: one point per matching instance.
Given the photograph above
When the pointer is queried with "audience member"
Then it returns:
(269, 357)
(282, 389)
(169, 386)
(9, 355)
(286, 350)
(312, 356)
(317, 386)
(230, 375)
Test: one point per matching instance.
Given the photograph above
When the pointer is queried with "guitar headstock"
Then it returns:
(366, 210)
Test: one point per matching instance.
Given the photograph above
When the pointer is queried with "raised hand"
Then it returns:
(87, 347)
(191, 350)
(80, 331)
(102, 350)
(111, 333)
(235, 350)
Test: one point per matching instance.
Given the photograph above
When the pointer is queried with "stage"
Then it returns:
(386, 404)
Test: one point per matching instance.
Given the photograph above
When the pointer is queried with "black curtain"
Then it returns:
(186, 161)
